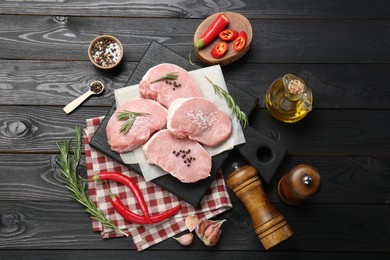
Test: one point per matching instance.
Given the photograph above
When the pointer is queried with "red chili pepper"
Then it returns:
(125, 212)
(212, 31)
(240, 41)
(114, 176)
(135, 218)
(228, 35)
(219, 50)
(166, 214)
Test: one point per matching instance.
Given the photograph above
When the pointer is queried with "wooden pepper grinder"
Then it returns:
(301, 183)
(269, 225)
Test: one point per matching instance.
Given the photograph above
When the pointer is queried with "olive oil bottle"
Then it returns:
(288, 99)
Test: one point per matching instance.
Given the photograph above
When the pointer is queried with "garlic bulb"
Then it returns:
(209, 231)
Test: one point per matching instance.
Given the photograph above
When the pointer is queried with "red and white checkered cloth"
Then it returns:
(215, 201)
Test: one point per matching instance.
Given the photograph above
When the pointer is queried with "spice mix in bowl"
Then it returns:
(105, 52)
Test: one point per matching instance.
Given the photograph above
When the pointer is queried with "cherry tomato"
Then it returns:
(228, 35)
(240, 41)
(219, 50)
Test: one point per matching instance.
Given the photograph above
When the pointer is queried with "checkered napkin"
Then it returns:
(215, 201)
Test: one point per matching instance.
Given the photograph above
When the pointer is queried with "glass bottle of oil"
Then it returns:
(288, 99)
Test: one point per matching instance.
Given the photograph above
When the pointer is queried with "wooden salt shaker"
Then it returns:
(269, 225)
(301, 183)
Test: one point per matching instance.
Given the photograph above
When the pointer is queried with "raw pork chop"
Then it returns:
(183, 158)
(199, 119)
(166, 91)
(142, 128)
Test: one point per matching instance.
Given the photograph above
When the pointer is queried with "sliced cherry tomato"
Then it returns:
(240, 41)
(228, 35)
(219, 50)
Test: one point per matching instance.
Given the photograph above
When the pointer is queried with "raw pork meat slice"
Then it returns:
(142, 128)
(200, 120)
(166, 91)
(183, 158)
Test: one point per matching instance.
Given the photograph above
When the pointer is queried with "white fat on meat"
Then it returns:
(141, 130)
(166, 91)
(183, 158)
(199, 119)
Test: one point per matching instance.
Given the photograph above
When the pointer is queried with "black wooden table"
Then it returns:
(343, 46)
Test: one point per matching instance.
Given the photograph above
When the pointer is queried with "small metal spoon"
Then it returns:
(95, 88)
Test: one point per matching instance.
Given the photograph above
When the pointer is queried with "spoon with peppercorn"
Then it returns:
(95, 88)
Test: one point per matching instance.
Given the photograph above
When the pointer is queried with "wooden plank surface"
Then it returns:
(323, 132)
(317, 228)
(96, 254)
(265, 9)
(339, 47)
(345, 180)
(282, 41)
(25, 82)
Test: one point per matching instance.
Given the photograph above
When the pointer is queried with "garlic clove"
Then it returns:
(201, 227)
(191, 221)
(209, 231)
(213, 238)
(185, 239)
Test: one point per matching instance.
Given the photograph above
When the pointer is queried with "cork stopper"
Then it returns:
(295, 87)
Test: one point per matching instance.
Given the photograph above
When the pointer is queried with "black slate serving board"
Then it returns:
(262, 152)
(190, 192)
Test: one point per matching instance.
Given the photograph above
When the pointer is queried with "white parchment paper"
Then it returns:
(214, 73)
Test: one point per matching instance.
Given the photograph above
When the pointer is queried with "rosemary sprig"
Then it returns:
(129, 117)
(73, 181)
(241, 116)
(168, 76)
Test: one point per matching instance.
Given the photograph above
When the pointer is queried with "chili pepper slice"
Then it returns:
(228, 35)
(219, 50)
(240, 41)
(212, 31)
(138, 219)
(115, 176)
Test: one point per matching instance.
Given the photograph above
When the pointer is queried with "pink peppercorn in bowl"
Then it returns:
(105, 52)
